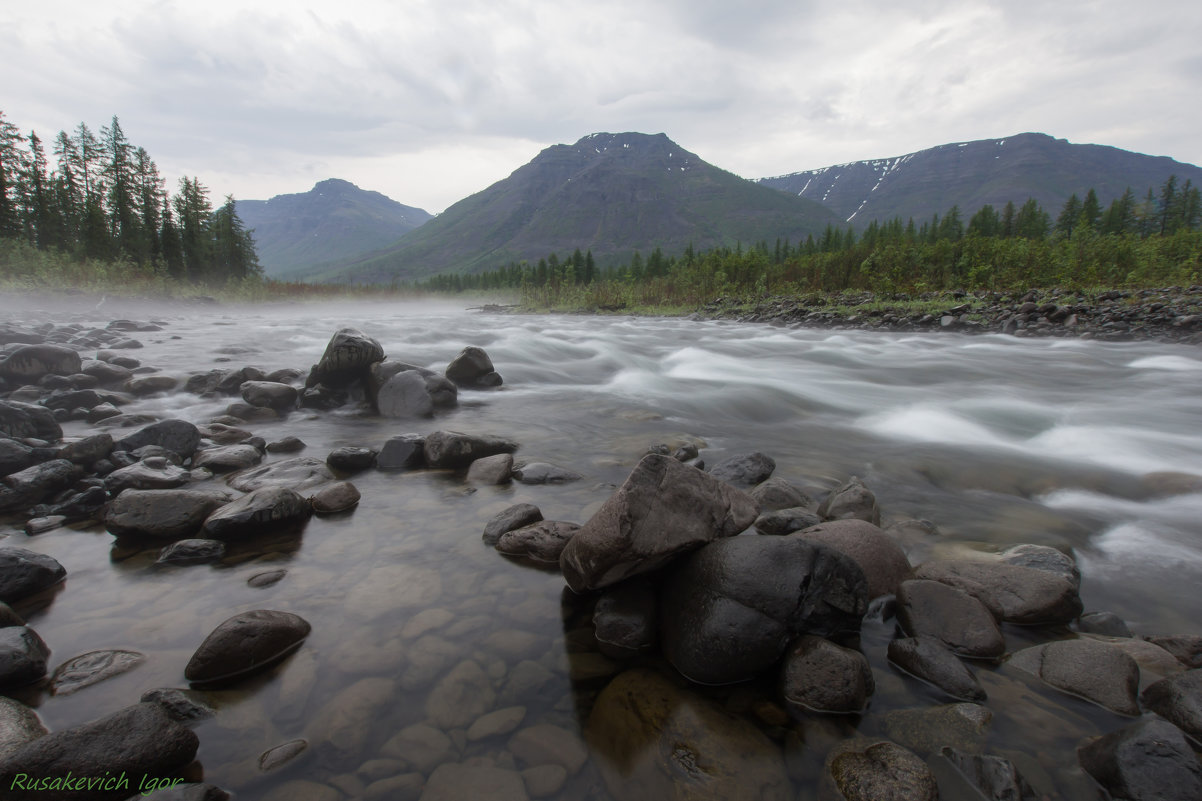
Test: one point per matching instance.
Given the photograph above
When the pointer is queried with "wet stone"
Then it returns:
(24, 573)
(853, 500)
(883, 770)
(420, 747)
(180, 705)
(1106, 623)
(402, 452)
(339, 496)
(1149, 759)
(544, 473)
(493, 724)
(246, 643)
(351, 459)
(516, 516)
(952, 616)
(259, 511)
(91, 668)
(463, 694)
(824, 677)
(23, 656)
(929, 659)
(297, 473)
(191, 552)
(282, 754)
(1178, 699)
(18, 724)
(964, 726)
(266, 578)
(287, 445)
(1087, 668)
(546, 744)
(459, 781)
(744, 471)
(786, 521)
(496, 469)
(995, 778)
(541, 542)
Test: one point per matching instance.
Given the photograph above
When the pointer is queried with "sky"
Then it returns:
(429, 102)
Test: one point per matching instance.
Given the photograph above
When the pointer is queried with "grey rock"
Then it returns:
(339, 496)
(1106, 623)
(450, 449)
(175, 435)
(663, 510)
(1178, 699)
(1026, 596)
(163, 514)
(955, 618)
(139, 741)
(995, 778)
(544, 473)
(20, 420)
(1089, 669)
(181, 705)
(402, 452)
(228, 458)
(1186, 648)
(496, 469)
(87, 449)
(288, 444)
(880, 556)
(246, 643)
(458, 781)
(18, 725)
(1149, 760)
(152, 473)
(347, 358)
(24, 573)
(516, 516)
(282, 754)
(462, 695)
(857, 771)
(404, 396)
(351, 459)
(728, 610)
(1043, 557)
(744, 471)
(33, 484)
(191, 552)
(473, 369)
(927, 658)
(269, 395)
(930, 728)
(262, 510)
(16, 456)
(297, 473)
(23, 656)
(144, 385)
(541, 542)
(624, 620)
(853, 500)
(824, 677)
(785, 521)
(547, 744)
(31, 362)
(92, 668)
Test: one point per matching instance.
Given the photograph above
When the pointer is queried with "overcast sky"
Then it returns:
(429, 102)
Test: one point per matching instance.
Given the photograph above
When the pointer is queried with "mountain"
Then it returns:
(332, 222)
(971, 174)
(609, 193)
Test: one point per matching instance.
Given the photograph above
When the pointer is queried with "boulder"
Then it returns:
(927, 658)
(664, 509)
(496, 469)
(744, 471)
(24, 573)
(260, 511)
(776, 493)
(1178, 699)
(860, 771)
(1043, 557)
(168, 514)
(86, 450)
(654, 741)
(137, 741)
(995, 778)
(288, 444)
(472, 369)
(852, 500)
(450, 449)
(191, 552)
(821, 676)
(351, 459)
(339, 496)
(18, 725)
(347, 358)
(228, 458)
(21, 420)
(246, 643)
(1105, 623)
(928, 729)
(145, 385)
(544, 473)
(780, 522)
(16, 456)
(404, 396)
(1149, 759)
(402, 452)
(28, 363)
(624, 620)
(880, 556)
(31, 485)
(174, 435)
(269, 395)
(952, 616)
(23, 656)
(152, 473)
(516, 516)
(1186, 648)
(1088, 669)
(1026, 596)
(729, 609)
(297, 473)
(541, 542)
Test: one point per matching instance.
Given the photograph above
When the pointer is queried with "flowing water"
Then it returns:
(994, 440)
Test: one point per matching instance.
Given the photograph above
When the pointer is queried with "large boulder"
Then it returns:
(729, 609)
(880, 771)
(404, 395)
(1150, 760)
(263, 510)
(348, 357)
(28, 363)
(664, 509)
(952, 616)
(269, 394)
(135, 742)
(744, 471)
(152, 473)
(24, 573)
(1178, 699)
(297, 473)
(18, 725)
(31, 485)
(23, 656)
(1026, 595)
(450, 449)
(853, 500)
(653, 741)
(246, 643)
(472, 369)
(880, 556)
(824, 677)
(1089, 669)
(929, 659)
(21, 420)
(168, 514)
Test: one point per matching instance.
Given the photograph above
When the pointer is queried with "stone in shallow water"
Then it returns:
(191, 552)
(246, 643)
(282, 754)
(140, 740)
(546, 744)
(541, 542)
(501, 721)
(459, 781)
(266, 578)
(351, 459)
(1027, 596)
(654, 741)
(992, 776)
(516, 516)
(744, 471)
(496, 469)
(856, 771)
(824, 677)
(544, 473)
(91, 668)
(1178, 699)
(1149, 759)
(463, 695)
(952, 616)
(18, 724)
(174, 435)
(333, 498)
(929, 659)
(267, 509)
(24, 572)
(163, 514)
(451, 449)
(853, 500)
(297, 473)
(880, 556)
(420, 747)
(180, 705)
(928, 729)
(1089, 669)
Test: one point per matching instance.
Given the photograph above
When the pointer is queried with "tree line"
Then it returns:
(1155, 239)
(103, 200)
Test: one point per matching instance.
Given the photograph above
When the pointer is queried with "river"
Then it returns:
(992, 439)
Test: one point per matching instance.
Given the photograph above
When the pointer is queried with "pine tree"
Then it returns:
(1091, 210)
(1008, 226)
(985, 222)
(1069, 215)
(11, 166)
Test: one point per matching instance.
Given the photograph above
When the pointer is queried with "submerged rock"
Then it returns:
(859, 771)
(1086, 668)
(927, 658)
(246, 643)
(1149, 759)
(541, 542)
(263, 510)
(24, 573)
(450, 449)
(91, 668)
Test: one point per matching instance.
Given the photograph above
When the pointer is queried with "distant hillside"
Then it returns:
(971, 174)
(332, 222)
(611, 193)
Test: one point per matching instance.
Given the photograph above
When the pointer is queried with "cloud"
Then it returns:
(265, 95)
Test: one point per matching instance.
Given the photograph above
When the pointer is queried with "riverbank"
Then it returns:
(1169, 314)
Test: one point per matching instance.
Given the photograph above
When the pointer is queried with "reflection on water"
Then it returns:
(421, 632)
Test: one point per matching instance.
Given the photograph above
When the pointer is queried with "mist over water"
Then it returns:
(993, 439)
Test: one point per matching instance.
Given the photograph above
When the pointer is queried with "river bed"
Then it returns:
(994, 440)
